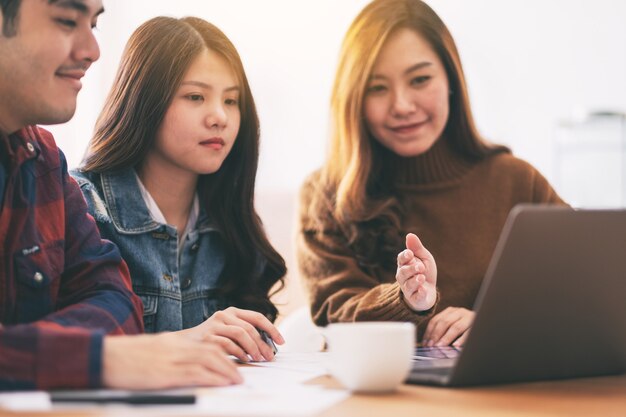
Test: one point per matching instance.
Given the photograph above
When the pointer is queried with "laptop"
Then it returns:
(552, 304)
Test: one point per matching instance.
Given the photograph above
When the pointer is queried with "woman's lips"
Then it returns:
(407, 128)
(213, 143)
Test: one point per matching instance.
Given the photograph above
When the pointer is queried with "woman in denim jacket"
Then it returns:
(169, 177)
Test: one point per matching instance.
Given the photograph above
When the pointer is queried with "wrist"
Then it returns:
(422, 309)
(188, 333)
(109, 345)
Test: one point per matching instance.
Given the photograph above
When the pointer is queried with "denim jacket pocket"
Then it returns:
(150, 304)
(38, 269)
(211, 305)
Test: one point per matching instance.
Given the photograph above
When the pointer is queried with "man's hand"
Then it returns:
(164, 360)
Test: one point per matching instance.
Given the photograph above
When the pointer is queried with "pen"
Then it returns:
(137, 398)
(267, 339)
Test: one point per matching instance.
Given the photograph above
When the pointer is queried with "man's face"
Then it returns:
(42, 64)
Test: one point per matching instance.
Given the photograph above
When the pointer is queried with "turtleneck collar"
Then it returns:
(439, 165)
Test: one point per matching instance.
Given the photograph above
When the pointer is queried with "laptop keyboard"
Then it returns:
(442, 364)
(435, 359)
(434, 353)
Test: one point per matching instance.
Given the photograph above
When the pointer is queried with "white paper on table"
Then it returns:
(269, 389)
(28, 400)
(271, 401)
(240, 401)
(313, 363)
(263, 376)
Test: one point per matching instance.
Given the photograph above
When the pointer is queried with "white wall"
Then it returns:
(529, 64)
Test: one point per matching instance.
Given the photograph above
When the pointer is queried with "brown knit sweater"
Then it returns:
(455, 206)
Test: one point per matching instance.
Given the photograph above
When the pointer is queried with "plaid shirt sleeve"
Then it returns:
(71, 289)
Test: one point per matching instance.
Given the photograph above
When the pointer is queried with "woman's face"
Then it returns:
(406, 103)
(202, 122)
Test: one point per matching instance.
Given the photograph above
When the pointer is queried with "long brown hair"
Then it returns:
(353, 152)
(152, 67)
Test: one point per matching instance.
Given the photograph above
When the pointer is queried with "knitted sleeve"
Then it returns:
(339, 289)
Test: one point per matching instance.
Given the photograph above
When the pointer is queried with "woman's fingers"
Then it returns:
(452, 333)
(406, 272)
(259, 321)
(241, 337)
(413, 284)
(414, 244)
(461, 340)
(438, 325)
(253, 335)
(447, 326)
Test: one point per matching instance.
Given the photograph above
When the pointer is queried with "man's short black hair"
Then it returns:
(9, 14)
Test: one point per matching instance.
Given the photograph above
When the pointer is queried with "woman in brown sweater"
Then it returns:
(405, 158)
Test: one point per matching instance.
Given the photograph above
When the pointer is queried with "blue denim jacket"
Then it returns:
(175, 296)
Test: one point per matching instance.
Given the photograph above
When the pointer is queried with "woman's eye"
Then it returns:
(231, 102)
(376, 89)
(195, 97)
(420, 80)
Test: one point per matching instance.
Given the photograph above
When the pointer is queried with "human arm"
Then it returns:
(95, 289)
(339, 288)
(511, 181)
(41, 356)
(165, 360)
(53, 337)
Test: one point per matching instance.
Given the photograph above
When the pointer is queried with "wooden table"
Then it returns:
(605, 396)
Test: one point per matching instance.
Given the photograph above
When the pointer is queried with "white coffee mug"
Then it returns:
(370, 356)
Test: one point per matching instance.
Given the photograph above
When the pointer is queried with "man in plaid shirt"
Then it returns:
(65, 294)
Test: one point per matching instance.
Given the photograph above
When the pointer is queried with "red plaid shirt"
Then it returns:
(62, 287)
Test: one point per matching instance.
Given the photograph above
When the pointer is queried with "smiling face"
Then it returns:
(202, 122)
(406, 103)
(43, 62)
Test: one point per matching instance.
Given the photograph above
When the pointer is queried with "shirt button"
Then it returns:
(195, 247)
(38, 277)
(186, 283)
(168, 277)
(30, 147)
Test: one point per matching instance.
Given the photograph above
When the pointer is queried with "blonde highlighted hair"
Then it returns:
(352, 155)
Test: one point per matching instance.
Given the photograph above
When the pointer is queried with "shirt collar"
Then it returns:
(126, 206)
(130, 212)
(22, 143)
(157, 215)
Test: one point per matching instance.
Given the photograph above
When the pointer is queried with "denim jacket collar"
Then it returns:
(127, 208)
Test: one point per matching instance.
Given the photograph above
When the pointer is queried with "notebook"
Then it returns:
(552, 304)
